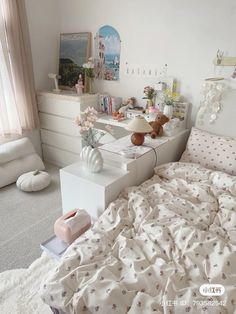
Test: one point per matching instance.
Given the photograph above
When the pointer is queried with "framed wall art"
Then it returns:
(107, 54)
(74, 52)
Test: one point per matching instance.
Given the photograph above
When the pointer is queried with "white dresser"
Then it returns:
(61, 142)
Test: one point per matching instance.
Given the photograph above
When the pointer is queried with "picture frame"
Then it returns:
(74, 51)
(107, 53)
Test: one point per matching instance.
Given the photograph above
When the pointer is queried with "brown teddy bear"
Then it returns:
(157, 125)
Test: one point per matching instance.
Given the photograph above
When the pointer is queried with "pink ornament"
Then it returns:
(79, 86)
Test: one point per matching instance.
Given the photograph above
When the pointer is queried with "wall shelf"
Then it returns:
(225, 61)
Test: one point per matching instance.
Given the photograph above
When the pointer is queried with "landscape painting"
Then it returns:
(107, 54)
(74, 52)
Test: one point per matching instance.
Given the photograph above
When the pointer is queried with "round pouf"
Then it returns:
(33, 181)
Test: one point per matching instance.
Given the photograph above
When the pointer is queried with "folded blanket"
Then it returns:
(15, 149)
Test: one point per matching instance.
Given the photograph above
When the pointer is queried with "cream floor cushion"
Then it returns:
(16, 158)
(33, 181)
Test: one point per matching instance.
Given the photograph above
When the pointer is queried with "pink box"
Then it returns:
(71, 225)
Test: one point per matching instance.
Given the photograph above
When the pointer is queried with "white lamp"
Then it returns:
(139, 126)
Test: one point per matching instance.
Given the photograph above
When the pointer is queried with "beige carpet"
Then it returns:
(26, 220)
(19, 288)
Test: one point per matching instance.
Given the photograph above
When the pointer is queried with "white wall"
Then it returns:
(185, 34)
(43, 20)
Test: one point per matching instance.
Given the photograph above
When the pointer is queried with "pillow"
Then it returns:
(33, 181)
(211, 151)
(10, 171)
(15, 149)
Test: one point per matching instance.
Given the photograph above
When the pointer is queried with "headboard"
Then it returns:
(225, 122)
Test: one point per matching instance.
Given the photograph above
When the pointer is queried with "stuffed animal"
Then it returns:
(157, 125)
(129, 104)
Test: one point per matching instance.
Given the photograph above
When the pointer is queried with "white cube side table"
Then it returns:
(168, 149)
(91, 191)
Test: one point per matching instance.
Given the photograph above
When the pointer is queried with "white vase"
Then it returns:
(168, 111)
(92, 159)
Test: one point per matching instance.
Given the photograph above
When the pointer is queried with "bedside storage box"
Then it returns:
(91, 191)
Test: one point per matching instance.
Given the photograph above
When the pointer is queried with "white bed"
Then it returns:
(157, 244)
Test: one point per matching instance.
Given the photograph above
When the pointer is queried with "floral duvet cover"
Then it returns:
(154, 247)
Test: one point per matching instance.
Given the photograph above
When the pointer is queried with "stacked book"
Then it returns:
(109, 104)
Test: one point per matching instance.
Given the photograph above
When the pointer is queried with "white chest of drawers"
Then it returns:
(61, 142)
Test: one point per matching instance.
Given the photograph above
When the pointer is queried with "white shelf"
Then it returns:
(68, 95)
(125, 142)
(91, 191)
(106, 119)
(106, 177)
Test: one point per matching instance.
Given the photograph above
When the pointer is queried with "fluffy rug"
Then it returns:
(27, 220)
(19, 288)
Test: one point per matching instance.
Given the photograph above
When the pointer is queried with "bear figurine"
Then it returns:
(157, 125)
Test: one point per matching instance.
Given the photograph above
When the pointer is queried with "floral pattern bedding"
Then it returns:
(153, 248)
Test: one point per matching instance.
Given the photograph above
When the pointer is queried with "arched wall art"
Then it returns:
(107, 54)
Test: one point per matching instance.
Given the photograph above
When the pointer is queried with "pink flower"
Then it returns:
(92, 118)
(149, 92)
(90, 110)
(82, 130)
(77, 121)
(86, 123)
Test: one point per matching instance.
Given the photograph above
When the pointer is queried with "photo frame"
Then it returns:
(75, 50)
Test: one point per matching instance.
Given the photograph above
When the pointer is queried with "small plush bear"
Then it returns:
(157, 125)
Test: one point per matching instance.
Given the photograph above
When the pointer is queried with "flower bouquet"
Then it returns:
(89, 74)
(89, 134)
(169, 99)
(150, 94)
(90, 155)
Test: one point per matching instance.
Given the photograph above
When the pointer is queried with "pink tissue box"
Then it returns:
(71, 225)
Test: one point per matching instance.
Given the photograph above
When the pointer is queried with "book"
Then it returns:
(116, 103)
(106, 107)
(54, 247)
(109, 104)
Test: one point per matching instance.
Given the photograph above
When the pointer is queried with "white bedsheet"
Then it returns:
(154, 247)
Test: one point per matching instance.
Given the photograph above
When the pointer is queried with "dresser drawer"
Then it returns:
(58, 124)
(58, 156)
(71, 144)
(64, 107)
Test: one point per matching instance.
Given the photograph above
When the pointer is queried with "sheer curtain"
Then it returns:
(18, 109)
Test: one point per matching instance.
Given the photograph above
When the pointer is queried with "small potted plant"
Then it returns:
(150, 95)
(169, 99)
